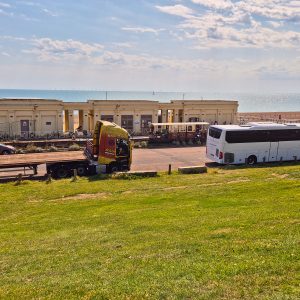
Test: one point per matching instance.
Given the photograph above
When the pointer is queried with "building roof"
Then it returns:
(180, 124)
(258, 125)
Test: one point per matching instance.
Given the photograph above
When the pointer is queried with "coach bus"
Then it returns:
(253, 143)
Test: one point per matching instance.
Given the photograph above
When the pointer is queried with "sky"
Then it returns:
(151, 45)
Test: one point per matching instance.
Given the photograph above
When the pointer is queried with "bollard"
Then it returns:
(19, 179)
(48, 178)
(170, 169)
(74, 175)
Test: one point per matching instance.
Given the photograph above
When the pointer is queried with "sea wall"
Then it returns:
(269, 116)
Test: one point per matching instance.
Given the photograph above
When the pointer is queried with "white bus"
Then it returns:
(253, 143)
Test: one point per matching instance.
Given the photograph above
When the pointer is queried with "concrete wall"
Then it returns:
(54, 116)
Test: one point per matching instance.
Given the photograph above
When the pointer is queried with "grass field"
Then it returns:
(230, 234)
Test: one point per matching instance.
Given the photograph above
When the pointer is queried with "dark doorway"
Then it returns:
(127, 122)
(146, 120)
(24, 128)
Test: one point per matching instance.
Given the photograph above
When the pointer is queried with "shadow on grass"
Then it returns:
(256, 166)
(98, 177)
(119, 176)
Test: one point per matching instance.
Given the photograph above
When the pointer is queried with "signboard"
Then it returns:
(24, 125)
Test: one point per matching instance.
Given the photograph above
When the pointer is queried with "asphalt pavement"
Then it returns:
(158, 159)
(154, 159)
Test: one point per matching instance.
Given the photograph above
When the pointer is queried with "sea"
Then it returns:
(248, 102)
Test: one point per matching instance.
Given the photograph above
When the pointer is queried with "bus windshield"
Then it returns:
(215, 132)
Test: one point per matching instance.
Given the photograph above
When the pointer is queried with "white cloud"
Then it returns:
(49, 12)
(3, 4)
(123, 45)
(228, 24)
(216, 4)
(71, 52)
(275, 9)
(5, 54)
(142, 29)
(27, 18)
(163, 72)
(47, 49)
(29, 3)
(176, 10)
(12, 38)
(275, 24)
(5, 13)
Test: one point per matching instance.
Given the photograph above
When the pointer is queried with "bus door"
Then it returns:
(273, 152)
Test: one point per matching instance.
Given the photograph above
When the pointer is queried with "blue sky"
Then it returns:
(171, 45)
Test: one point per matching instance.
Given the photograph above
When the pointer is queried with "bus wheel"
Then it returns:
(252, 160)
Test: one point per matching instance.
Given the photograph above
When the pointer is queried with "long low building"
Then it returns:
(40, 117)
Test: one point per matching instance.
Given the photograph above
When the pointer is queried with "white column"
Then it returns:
(38, 125)
(155, 117)
(164, 116)
(11, 120)
(60, 125)
(175, 115)
(117, 117)
(85, 120)
(71, 120)
(185, 115)
(97, 116)
(137, 123)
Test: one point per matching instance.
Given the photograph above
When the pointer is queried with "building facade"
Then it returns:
(25, 117)
(40, 117)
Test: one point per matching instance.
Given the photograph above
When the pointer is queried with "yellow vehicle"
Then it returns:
(111, 147)
(110, 151)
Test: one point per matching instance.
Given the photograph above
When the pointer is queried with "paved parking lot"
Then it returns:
(158, 159)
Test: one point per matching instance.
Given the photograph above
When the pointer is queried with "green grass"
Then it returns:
(230, 234)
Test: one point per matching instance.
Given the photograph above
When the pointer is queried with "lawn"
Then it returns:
(230, 234)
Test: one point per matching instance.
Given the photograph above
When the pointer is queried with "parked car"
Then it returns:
(6, 149)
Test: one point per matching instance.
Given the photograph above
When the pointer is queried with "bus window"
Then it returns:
(190, 128)
(215, 132)
(285, 135)
(248, 136)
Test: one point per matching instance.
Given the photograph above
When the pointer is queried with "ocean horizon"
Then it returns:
(248, 102)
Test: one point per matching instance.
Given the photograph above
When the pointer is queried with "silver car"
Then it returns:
(6, 149)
